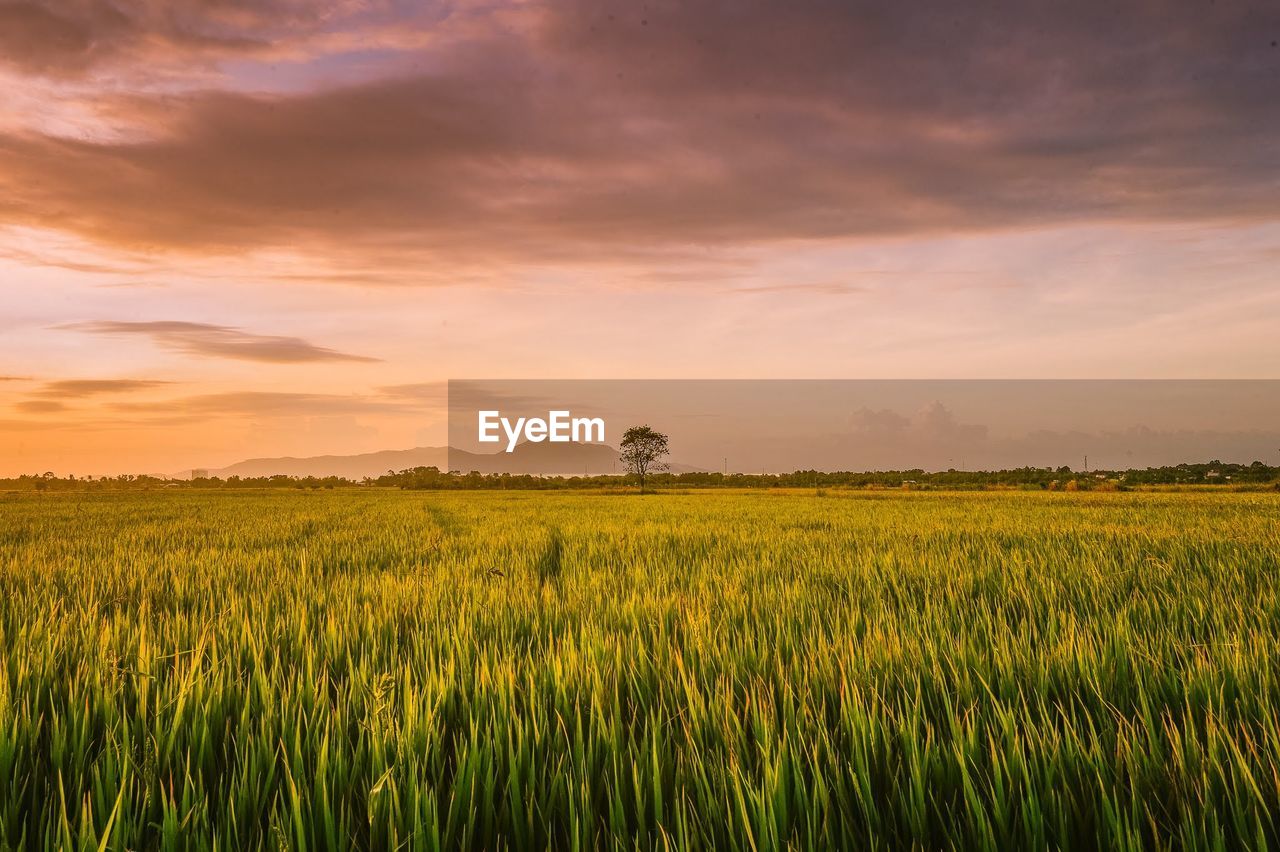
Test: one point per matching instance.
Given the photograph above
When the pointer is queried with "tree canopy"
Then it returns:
(642, 451)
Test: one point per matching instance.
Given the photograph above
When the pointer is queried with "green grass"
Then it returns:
(378, 670)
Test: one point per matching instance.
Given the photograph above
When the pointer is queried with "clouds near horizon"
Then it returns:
(194, 338)
(80, 388)
(266, 404)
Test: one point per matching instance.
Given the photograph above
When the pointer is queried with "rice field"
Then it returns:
(368, 669)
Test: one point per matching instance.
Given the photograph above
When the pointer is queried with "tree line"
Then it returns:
(1212, 473)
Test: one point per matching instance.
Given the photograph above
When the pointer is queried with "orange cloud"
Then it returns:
(39, 406)
(267, 404)
(79, 388)
(194, 338)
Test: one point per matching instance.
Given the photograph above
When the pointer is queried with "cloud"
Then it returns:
(39, 406)
(868, 423)
(933, 425)
(52, 397)
(36, 425)
(73, 37)
(429, 392)
(818, 288)
(36, 38)
(15, 379)
(61, 255)
(603, 130)
(80, 388)
(266, 404)
(937, 423)
(455, 398)
(220, 341)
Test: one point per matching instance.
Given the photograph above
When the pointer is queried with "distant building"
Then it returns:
(199, 473)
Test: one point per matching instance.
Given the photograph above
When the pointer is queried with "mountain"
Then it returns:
(352, 467)
(545, 459)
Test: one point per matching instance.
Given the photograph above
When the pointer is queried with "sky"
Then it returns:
(239, 228)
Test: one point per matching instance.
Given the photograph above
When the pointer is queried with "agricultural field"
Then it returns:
(369, 669)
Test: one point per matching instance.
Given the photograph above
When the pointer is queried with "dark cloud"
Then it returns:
(220, 341)
(70, 37)
(604, 129)
(35, 37)
(14, 378)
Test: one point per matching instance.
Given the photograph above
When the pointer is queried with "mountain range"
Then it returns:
(528, 458)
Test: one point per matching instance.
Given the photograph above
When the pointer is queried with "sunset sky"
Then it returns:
(235, 228)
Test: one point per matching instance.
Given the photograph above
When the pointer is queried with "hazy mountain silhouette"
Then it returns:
(542, 458)
(351, 467)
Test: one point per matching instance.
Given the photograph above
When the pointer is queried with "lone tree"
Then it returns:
(642, 450)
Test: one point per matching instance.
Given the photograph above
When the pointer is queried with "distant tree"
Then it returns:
(642, 450)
